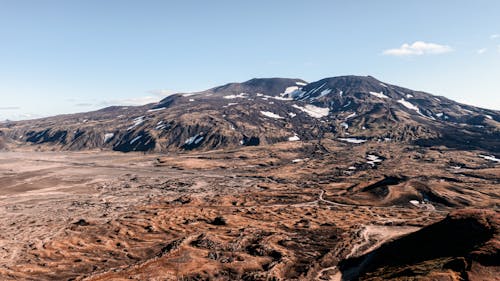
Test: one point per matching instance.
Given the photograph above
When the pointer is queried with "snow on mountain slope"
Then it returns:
(270, 110)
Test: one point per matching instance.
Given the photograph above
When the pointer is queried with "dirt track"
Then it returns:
(240, 214)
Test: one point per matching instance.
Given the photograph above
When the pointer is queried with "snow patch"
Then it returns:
(408, 105)
(230, 104)
(373, 159)
(379, 95)
(194, 139)
(156, 109)
(241, 95)
(160, 127)
(414, 202)
(352, 140)
(299, 94)
(281, 98)
(289, 90)
(271, 115)
(351, 116)
(314, 111)
(294, 138)
(490, 158)
(488, 116)
(291, 114)
(108, 136)
(135, 139)
(300, 83)
(422, 204)
(317, 89)
(324, 93)
(137, 121)
(466, 110)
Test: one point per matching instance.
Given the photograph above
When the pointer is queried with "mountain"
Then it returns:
(265, 111)
(358, 184)
(269, 86)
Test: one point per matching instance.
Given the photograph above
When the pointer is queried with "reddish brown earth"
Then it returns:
(463, 246)
(290, 211)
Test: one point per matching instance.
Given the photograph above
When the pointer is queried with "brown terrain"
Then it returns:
(290, 211)
(346, 178)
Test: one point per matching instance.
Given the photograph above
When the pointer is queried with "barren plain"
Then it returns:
(289, 211)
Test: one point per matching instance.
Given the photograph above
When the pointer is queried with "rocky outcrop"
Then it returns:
(464, 245)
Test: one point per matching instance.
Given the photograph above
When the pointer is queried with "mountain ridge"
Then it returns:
(270, 110)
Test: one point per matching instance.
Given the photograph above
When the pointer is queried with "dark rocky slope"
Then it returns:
(265, 111)
(463, 246)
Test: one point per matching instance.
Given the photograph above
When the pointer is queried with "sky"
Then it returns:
(64, 56)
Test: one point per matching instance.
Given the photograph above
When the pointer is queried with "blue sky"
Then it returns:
(61, 56)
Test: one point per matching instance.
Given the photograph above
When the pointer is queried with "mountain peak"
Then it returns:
(341, 84)
(271, 110)
(260, 81)
(268, 86)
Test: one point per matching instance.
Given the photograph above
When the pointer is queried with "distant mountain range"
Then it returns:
(352, 109)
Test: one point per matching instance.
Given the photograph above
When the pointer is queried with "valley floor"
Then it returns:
(290, 211)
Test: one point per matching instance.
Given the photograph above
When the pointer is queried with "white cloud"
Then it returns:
(418, 48)
(10, 108)
(494, 36)
(29, 116)
(498, 48)
(162, 93)
(19, 116)
(155, 96)
(481, 51)
(132, 101)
